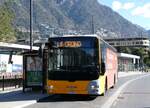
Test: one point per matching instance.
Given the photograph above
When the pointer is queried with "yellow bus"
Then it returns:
(83, 64)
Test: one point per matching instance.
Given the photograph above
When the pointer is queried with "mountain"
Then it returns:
(74, 15)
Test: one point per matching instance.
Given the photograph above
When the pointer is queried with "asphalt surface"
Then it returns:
(135, 95)
(77, 101)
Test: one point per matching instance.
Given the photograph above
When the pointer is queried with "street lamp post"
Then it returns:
(30, 25)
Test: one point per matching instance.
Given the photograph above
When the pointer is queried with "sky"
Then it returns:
(136, 11)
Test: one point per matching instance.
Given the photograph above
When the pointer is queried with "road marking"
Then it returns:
(26, 104)
(114, 103)
(112, 99)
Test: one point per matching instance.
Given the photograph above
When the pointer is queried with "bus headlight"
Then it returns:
(50, 87)
(93, 87)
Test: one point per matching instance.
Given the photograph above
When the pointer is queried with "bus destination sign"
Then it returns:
(72, 44)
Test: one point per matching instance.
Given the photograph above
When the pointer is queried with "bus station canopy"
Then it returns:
(15, 47)
(124, 55)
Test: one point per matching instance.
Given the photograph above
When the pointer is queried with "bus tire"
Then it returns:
(114, 82)
(114, 79)
(106, 88)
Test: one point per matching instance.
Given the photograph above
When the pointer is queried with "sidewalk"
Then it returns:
(17, 99)
(125, 74)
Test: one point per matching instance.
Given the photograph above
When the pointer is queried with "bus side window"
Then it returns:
(103, 58)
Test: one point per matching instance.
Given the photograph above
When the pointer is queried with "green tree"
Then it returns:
(147, 59)
(139, 51)
(124, 50)
(7, 33)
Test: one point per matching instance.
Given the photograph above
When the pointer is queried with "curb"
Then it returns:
(9, 91)
(125, 74)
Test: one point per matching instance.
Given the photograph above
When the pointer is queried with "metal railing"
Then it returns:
(9, 82)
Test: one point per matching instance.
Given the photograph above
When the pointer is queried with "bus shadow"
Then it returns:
(66, 98)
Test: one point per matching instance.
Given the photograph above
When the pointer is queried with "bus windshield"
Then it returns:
(73, 63)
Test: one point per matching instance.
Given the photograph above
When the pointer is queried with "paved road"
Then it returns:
(135, 95)
(65, 101)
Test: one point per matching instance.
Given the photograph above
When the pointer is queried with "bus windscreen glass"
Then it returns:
(74, 59)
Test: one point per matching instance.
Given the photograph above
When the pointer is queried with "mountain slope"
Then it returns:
(81, 12)
(73, 14)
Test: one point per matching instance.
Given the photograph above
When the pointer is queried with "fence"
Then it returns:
(9, 82)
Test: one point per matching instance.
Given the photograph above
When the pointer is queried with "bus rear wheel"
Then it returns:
(114, 82)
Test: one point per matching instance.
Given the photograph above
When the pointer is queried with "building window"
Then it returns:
(111, 43)
(141, 42)
(133, 43)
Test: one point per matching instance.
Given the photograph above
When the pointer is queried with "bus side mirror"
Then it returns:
(41, 49)
(103, 68)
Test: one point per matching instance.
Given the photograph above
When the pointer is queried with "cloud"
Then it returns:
(116, 5)
(128, 5)
(138, 11)
(142, 11)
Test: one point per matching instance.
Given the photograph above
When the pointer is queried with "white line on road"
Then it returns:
(112, 99)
